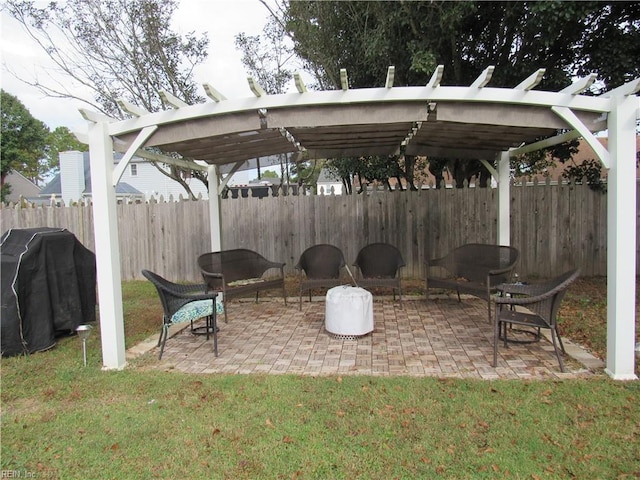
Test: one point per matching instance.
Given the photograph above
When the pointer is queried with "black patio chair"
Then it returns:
(379, 265)
(184, 303)
(531, 305)
(319, 267)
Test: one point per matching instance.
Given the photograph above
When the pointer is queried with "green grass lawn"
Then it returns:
(61, 420)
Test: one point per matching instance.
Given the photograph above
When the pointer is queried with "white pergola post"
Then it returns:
(504, 204)
(105, 223)
(621, 239)
(214, 209)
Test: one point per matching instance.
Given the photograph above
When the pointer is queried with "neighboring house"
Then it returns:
(585, 152)
(140, 180)
(328, 184)
(21, 186)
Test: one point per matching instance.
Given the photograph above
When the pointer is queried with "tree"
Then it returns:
(565, 38)
(59, 140)
(266, 57)
(116, 49)
(23, 140)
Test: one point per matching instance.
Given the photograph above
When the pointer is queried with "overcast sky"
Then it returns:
(221, 19)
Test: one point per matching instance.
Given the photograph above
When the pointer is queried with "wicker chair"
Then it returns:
(379, 265)
(319, 267)
(535, 306)
(239, 272)
(184, 303)
(474, 268)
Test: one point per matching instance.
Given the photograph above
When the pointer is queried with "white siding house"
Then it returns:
(140, 179)
(327, 184)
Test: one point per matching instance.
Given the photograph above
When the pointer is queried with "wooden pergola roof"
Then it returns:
(429, 120)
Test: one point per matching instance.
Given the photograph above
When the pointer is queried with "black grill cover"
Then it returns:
(48, 288)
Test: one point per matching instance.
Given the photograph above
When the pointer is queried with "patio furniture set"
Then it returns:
(480, 270)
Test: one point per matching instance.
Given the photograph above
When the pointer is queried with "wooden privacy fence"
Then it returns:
(555, 227)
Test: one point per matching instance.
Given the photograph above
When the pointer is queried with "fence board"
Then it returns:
(555, 227)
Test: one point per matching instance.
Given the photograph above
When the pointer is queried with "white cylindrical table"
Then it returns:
(349, 311)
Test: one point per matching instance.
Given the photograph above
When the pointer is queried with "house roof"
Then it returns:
(21, 186)
(326, 176)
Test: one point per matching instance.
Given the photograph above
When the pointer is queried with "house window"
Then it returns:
(134, 169)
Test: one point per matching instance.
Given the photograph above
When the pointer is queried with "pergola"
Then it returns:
(473, 121)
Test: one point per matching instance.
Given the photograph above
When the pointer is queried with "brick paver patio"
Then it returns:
(440, 337)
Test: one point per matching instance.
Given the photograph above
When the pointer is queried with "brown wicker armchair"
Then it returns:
(379, 265)
(184, 303)
(319, 267)
(535, 306)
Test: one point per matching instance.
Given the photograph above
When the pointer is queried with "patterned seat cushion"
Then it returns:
(193, 311)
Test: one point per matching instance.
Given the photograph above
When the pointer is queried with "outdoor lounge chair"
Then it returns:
(238, 272)
(184, 303)
(531, 305)
(474, 269)
(319, 267)
(379, 266)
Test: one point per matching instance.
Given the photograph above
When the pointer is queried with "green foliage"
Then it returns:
(60, 140)
(589, 171)
(269, 174)
(23, 140)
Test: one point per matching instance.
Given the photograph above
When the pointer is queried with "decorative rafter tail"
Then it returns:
(391, 73)
(299, 82)
(436, 78)
(256, 88)
(131, 108)
(172, 100)
(344, 80)
(212, 93)
(532, 80)
(484, 77)
(580, 85)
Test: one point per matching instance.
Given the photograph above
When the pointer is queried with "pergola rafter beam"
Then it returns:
(391, 73)
(300, 86)
(131, 108)
(532, 80)
(547, 142)
(581, 85)
(629, 88)
(436, 77)
(172, 100)
(178, 162)
(344, 79)
(484, 77)
(212, 93)
(256, 88)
